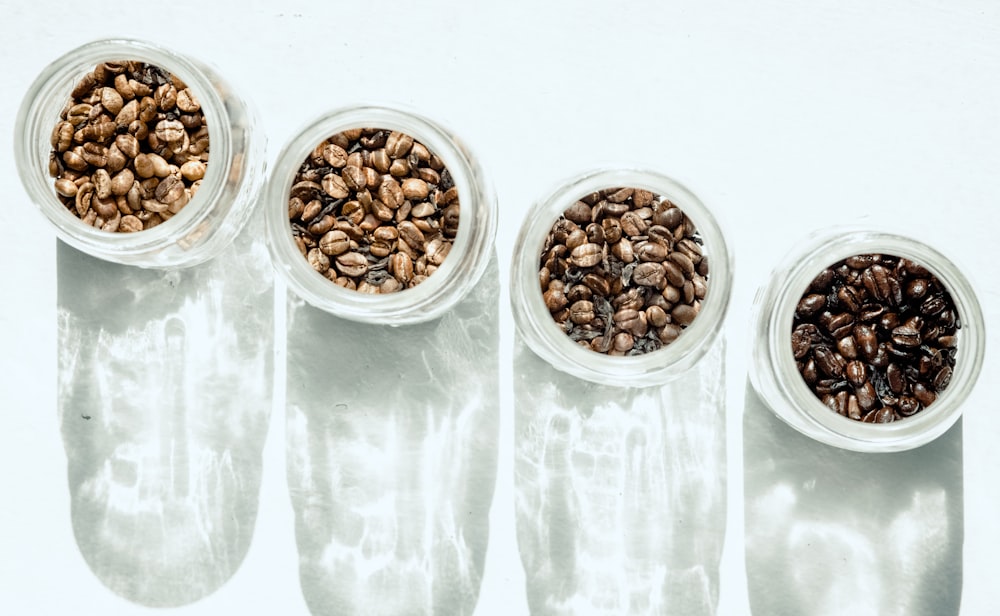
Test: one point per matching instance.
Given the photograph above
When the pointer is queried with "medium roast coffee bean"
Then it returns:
(630, 267)
(874, 337)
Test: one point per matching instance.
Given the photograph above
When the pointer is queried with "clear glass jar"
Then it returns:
(456, 276)
(773, 372)
(228, 191)
(545, 337)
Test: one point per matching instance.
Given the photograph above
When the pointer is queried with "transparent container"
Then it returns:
(543, 335)
(775, 377)
(222, 205)
(457, 275)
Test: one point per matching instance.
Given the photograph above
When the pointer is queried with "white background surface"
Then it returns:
(784, 118)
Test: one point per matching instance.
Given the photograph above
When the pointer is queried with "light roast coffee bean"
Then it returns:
(130, 148)
(374, 210)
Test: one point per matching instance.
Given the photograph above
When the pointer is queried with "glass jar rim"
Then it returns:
(773, 370)
(548, 341)
(54, 83)
(459, 272)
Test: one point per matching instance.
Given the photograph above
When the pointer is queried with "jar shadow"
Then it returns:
(392, 437)
(831, 531)
(164, 398)
(620, 492)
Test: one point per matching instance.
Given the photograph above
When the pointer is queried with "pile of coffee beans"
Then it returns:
(130, 148)
(622, 271)
(374, 210)
(874, 337)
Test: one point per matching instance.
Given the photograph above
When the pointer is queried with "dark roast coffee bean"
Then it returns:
(923, 394)
(906, 336)
(873, 337)
(895, 377)
(856, 373)
(865, 338)
(828, 361)
(801, 341)
(867, 398)
(908, 406)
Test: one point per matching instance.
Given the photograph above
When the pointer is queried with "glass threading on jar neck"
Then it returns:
(544, 336)
(776, 378)
(460, 271)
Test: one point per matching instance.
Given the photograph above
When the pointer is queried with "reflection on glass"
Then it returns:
(620, 491)
(164, 398)
(832, 532)
(392, 437)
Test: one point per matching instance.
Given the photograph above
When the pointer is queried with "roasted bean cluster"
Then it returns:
(622, 271)
(130, 148)
(874, 337)
(374, 210)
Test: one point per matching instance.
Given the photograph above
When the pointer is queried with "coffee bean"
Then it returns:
(917, 288)
(684, 314)
(856, 373)
(669, 218)
(886, 330)
(319, 261)
(860, 262)
(586, 255)
(609, 254)
(907, 406)
(839, 325)
(579, 292)
(130, 224)
(670, 333)
(853, 408)
(933, 306)
(597, 284)
(353, 264)
(847, 348)
(808, 370)
(398, 144)
(656, 316)
(623, 341)
(648, 274)
(906, 336)
(942, 378)
(650, 251)
(810, 304)
(581, 312)
(193, 170)
(828, 361)
(576, 237)
(836, 402)
(923, 394)
(684, 262)
(896, 378)
(555, 300)
(368, 202)
(867, 342)
(802, 339)
(674, 274)
(867, 398)
(882, 415)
